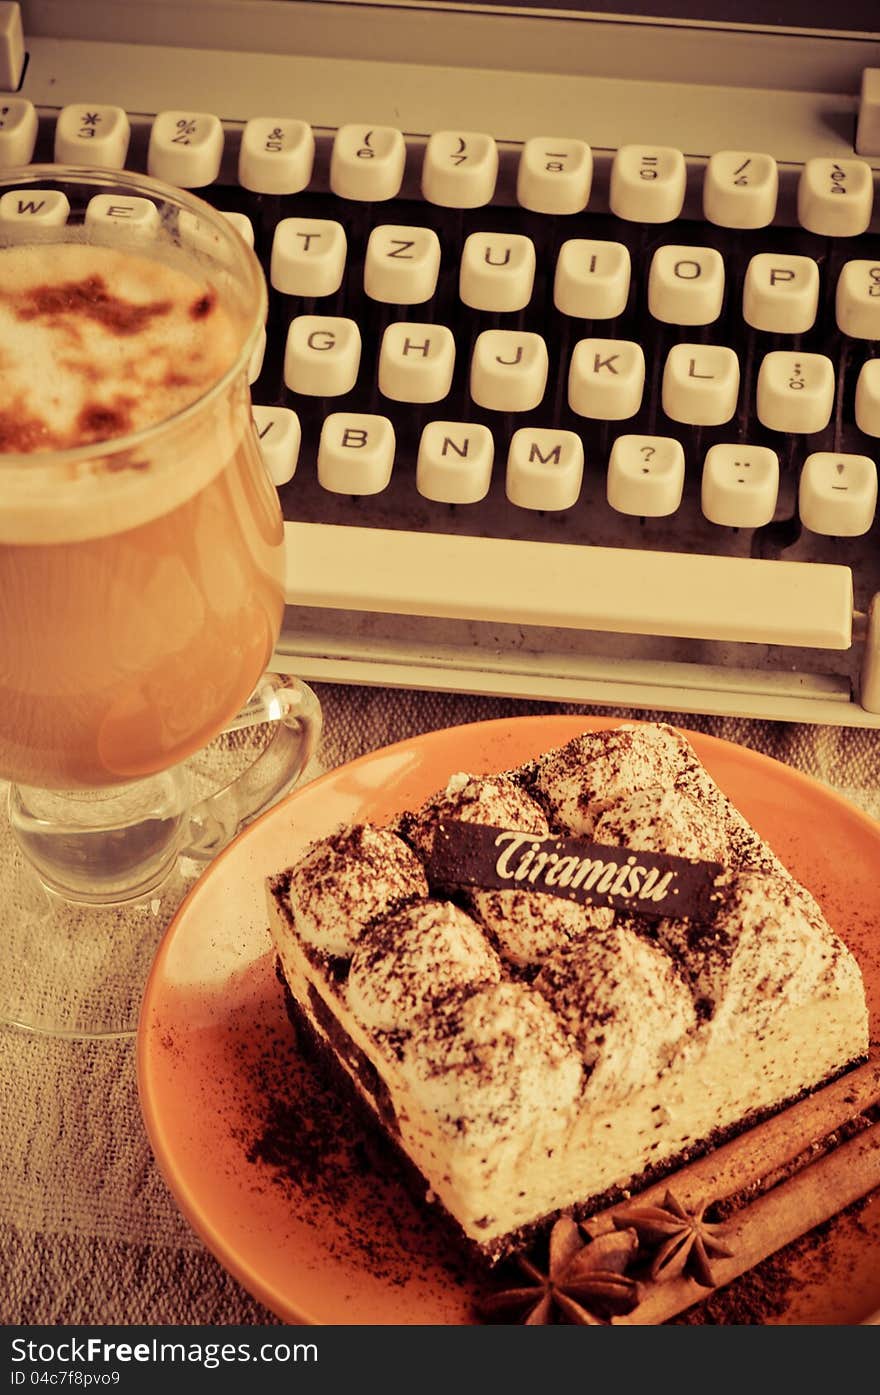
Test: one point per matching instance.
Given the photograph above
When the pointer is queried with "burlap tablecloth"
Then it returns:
(88, 1230)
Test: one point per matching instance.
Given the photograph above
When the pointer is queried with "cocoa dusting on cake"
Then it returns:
(472, 799)
(346, 881)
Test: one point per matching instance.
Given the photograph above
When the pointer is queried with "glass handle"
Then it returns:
(294, 710)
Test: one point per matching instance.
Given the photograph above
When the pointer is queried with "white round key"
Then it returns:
(322, 355)
(645, 475)
(497, 271)
(401, 265)
(47, 208)
(508, 370)
(544, 469)
(242, 224)
(355, 453)
(700, 384)
(280, 435)
(416, 362)
(868, 398)
(795, 391)
(276, 155)
(740, 485)
(367, 163)
(308, 256)
(455, 460)
(129, 216)
(647, 183)
(592, 279)
(837, 494)
(686, 285)
(554, 175)
(186, 148)
(740, 189)
(460, 169)
(857, 303)
(19, 125)
(606, 378)
(835, 197)
(92, 135)
(781, 293)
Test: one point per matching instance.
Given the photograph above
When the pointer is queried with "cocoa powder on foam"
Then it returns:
(98, 343)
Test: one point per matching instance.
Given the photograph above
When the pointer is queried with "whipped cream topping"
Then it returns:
(495, 799)
(662, 820)
(347, 880)
(493, 1065)
(405, 963)
(769, 945)
(528, 926)
(578, 781)
(623, 1002)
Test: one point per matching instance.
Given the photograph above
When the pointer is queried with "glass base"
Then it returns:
(71, 968)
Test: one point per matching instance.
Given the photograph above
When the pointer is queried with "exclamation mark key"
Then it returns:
(837, 494)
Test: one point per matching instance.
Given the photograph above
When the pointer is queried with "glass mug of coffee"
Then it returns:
(141, 580)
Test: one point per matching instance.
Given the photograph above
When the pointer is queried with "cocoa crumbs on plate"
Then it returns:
(331, 1169)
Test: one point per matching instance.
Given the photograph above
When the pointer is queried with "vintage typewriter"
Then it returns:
(571, 386)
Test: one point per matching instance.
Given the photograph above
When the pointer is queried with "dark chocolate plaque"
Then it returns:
(651, 884)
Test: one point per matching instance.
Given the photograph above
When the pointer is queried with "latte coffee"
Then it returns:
(140, 570)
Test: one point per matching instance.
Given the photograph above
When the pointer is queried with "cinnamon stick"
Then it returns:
(811, 1196)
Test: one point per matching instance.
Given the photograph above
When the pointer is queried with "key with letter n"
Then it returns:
(455, 462)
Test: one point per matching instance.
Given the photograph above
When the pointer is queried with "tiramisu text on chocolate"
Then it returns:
(657, 884)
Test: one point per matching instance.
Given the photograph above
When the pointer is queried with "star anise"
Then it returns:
(683, 1242)
(585, 1282)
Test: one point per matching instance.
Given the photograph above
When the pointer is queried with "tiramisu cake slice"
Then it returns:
(551, 984)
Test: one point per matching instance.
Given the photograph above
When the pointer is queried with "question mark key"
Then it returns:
(646, 475)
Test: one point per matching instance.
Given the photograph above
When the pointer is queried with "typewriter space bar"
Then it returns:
(569, 585)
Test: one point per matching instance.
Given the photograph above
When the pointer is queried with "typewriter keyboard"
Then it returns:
(622, 392)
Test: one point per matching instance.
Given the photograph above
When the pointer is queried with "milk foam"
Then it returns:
(97, 343)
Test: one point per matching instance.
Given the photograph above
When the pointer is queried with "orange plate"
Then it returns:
(320, 1228)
